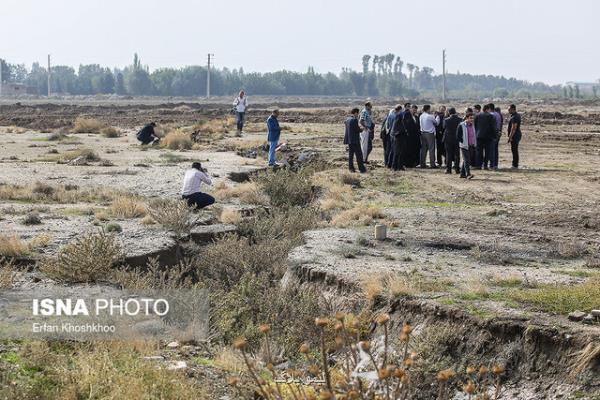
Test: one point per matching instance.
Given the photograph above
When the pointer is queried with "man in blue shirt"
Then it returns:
(274, 131)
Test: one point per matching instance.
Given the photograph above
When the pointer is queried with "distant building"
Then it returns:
(16, 89)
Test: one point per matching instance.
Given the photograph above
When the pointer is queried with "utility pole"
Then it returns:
(49, 91)
(444, 73)
(208, 76)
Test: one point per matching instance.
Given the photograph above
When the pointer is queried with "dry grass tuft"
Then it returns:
(128, 207)
(247, 192)
(358, 215)
(584, 358)
(12, 246)
(177, 140)
(337, 197)
(110, 132)
(230, 216)
(87, 125)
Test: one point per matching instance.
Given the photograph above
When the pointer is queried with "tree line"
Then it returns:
(381, 75)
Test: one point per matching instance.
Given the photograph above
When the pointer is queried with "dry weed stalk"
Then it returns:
(346, 379)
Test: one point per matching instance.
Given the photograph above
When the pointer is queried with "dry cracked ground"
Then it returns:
(505, 260)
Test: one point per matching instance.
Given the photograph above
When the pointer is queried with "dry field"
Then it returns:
(486, 270)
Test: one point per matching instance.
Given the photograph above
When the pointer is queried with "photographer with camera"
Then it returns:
(191, 187)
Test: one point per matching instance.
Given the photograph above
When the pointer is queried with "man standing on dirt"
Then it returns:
(514, 134)
(352, 139)
(410, 121)
(400, 140)
(440, 151)
(485, 127)
(495, 141)
(428, 126)
(274, 131)
(386, 136)
(191, 187)
(146, 135)
(465, 135)
(240, 104)
(366, 124)
(450, 126)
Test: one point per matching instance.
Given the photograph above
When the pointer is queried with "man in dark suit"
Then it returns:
(450, 126)
(485, 128)
(413, 137)
(352, 139)
(399, 135)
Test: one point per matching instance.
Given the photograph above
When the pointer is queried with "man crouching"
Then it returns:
(191, 187)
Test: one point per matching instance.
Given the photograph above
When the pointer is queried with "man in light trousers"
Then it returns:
(366, 124)
(428, 124)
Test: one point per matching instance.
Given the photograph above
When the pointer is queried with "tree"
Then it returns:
(375, 63)
(577, 94)
(570, 88)
(137, 78)
(119, 83)
(365, 63)
(411, 68)
(501, 92)
(595, 91)
(565, 94)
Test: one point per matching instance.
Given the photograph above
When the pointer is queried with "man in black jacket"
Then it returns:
(485, 129)
(352, 139)
(399, 135)
(450, 126)
(413, 137)
(146, 135)
(439, 137)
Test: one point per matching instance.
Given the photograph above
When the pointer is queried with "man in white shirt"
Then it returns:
(240, 104)
(428, 123)
(191, 187)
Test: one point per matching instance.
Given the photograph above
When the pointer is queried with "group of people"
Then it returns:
(409, 137)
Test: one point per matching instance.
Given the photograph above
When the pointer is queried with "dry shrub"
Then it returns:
(247, 192)
(155, 276)
(12, 246)
(39, 241)
(287, 188)
(173, 215)
(230, 216)
(110, 132)
(274, 225)
(127, 207)
(87, 125)
(177, 140)
(8, 273)
(358, 215)
(89, 258)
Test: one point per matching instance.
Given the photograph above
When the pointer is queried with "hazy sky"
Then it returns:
(538, 40)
